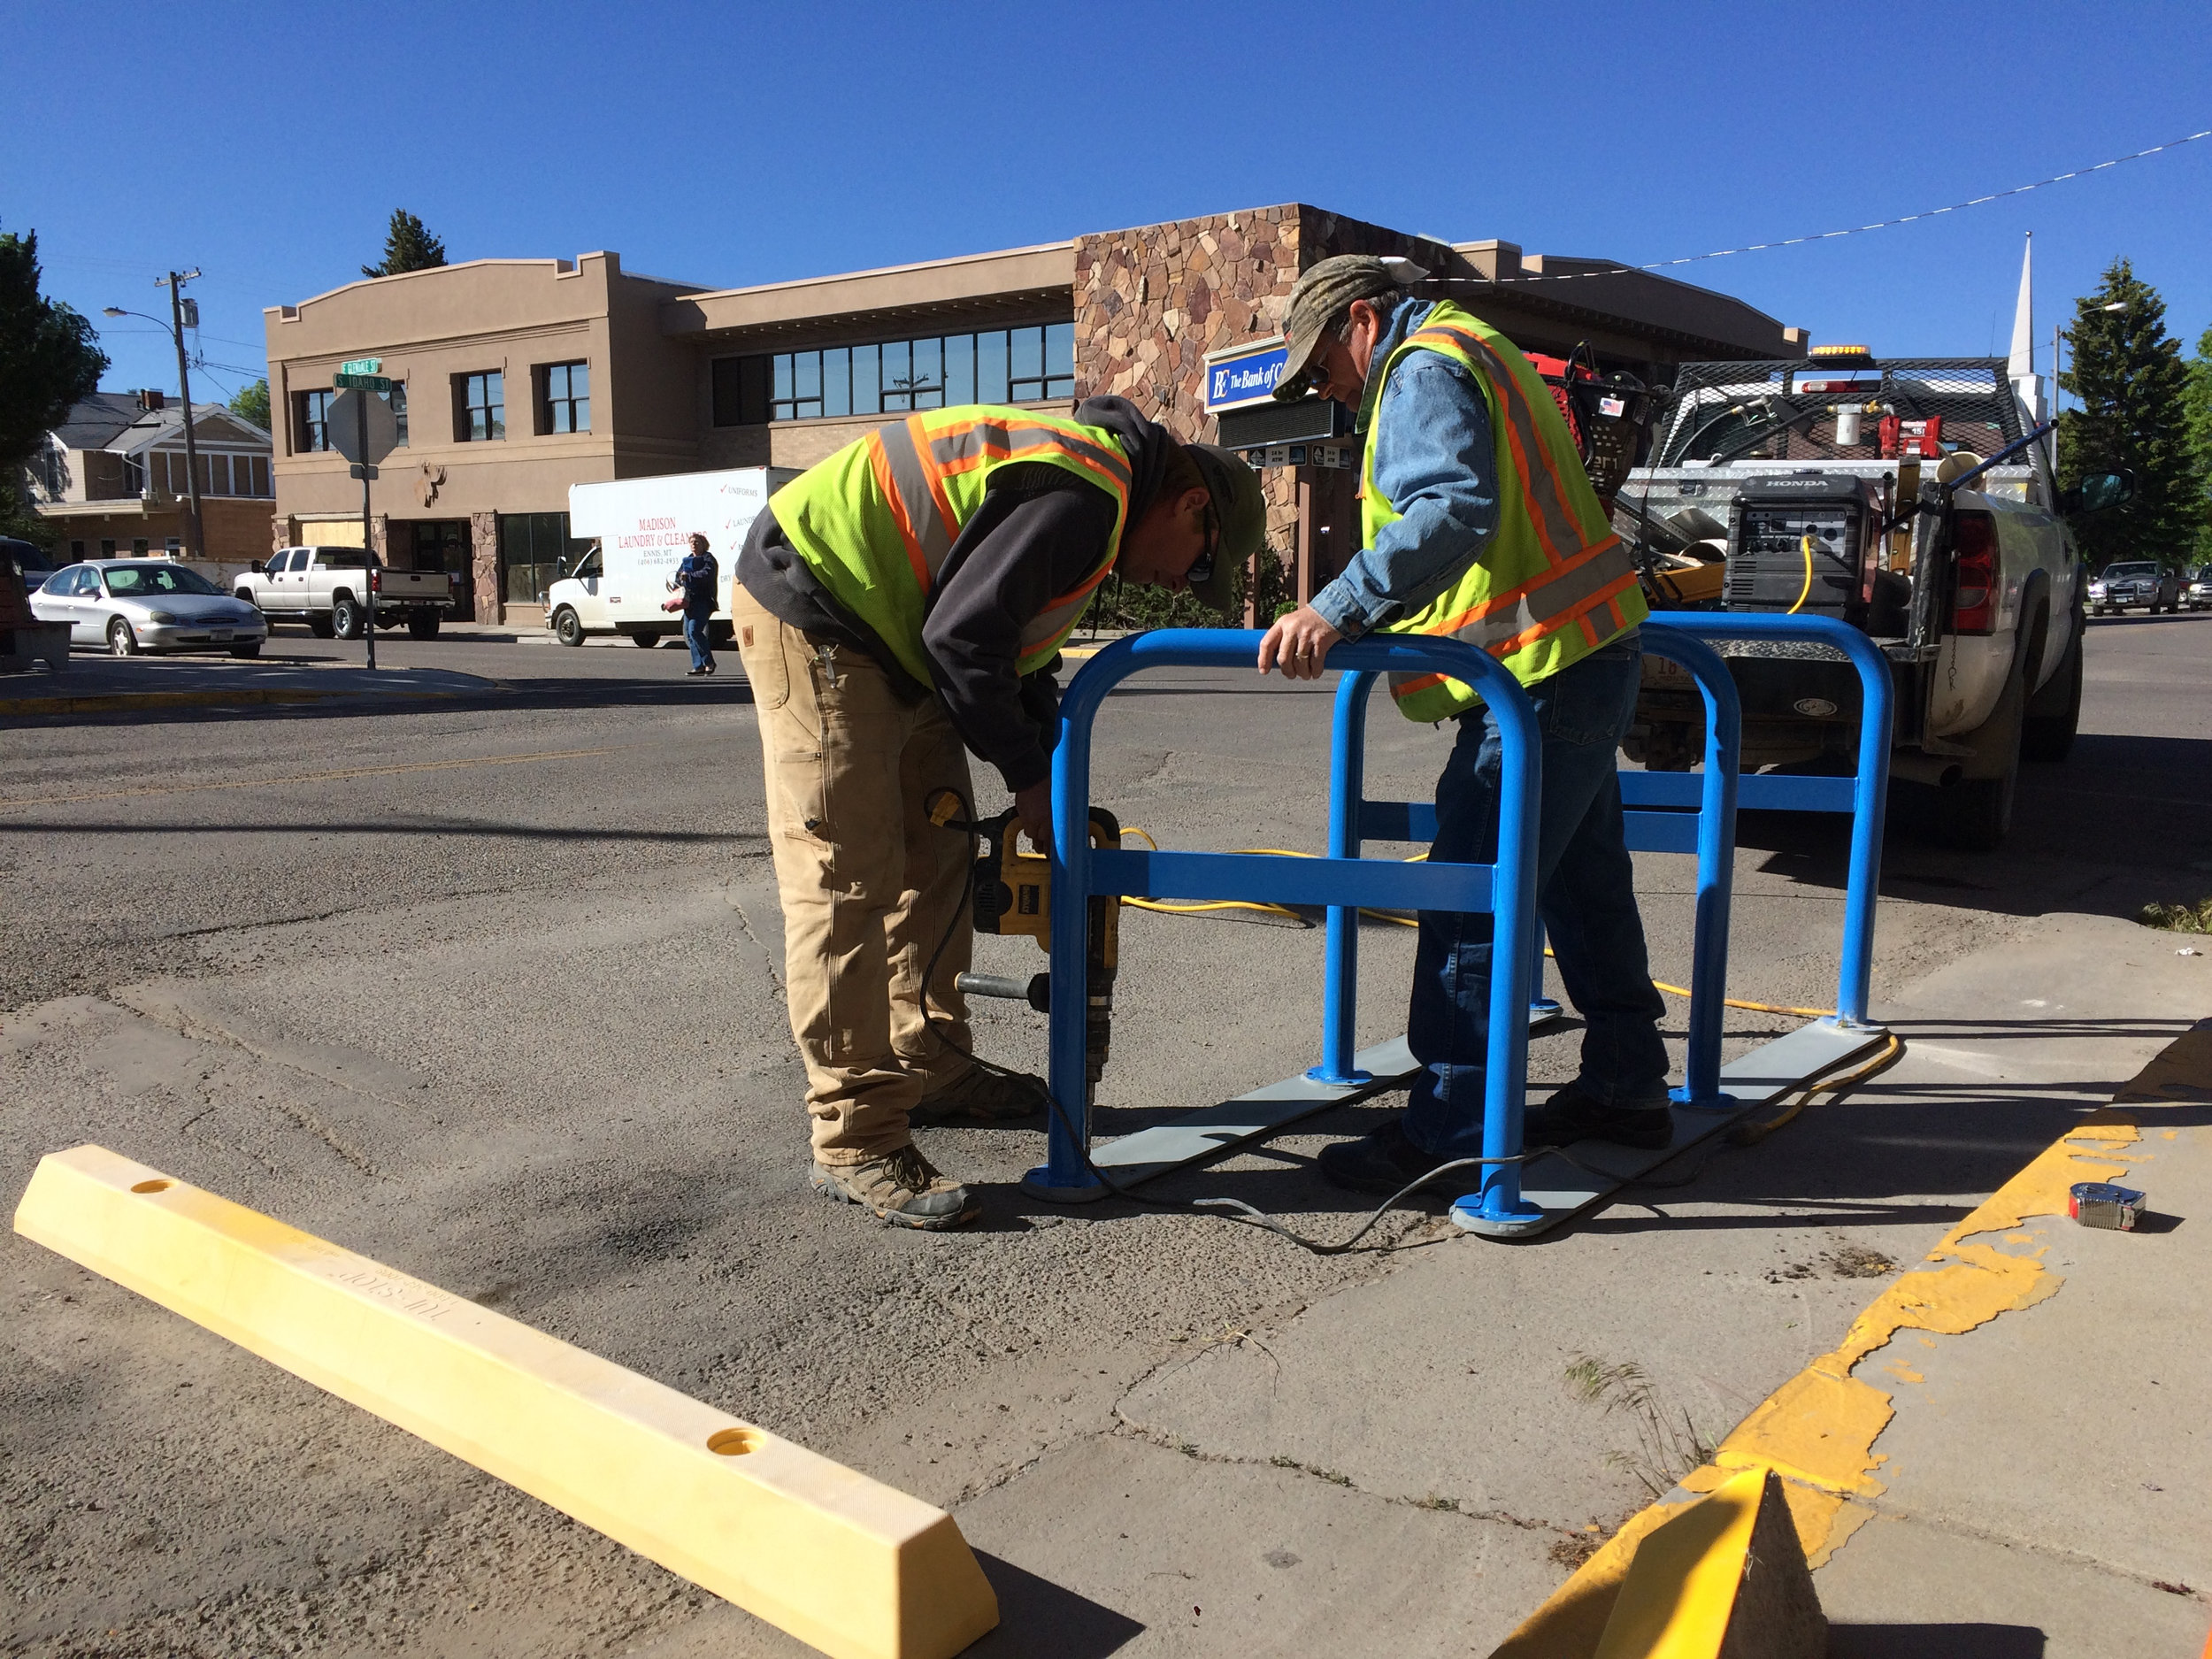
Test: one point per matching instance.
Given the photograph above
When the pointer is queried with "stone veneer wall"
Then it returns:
(1151, 302)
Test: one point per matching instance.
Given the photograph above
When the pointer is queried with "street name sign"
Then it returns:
(352, 382)
(360, 365)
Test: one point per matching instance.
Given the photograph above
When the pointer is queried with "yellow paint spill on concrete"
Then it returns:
(1903, 1372)
(1817, 1431)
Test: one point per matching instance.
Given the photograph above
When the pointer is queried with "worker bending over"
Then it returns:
(1479, 524)
(901, 603)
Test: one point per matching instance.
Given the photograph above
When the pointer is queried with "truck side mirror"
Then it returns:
(258, 570)
(2098, 491)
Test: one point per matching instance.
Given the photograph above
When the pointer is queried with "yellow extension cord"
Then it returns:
(1402, 921)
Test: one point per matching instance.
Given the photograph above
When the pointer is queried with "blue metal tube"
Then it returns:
(1871, 794)
(1348, 790)
(1513, 887)
(1715, 854)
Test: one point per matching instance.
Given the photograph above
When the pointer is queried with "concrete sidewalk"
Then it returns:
(101, 685)
(2043, 1486)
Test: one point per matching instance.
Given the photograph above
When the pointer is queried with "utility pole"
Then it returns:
(196, 543)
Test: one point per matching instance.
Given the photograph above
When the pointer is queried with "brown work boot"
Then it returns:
(981, 1095)
(901, 1188)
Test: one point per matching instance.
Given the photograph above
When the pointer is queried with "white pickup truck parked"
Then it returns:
(644, 527)
(328, 588)
(1851, 489)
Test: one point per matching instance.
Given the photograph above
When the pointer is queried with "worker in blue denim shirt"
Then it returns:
(697, 583)
(1434, 459)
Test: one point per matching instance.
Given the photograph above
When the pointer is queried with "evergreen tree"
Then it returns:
(408, 246)
(47, 361)
(2197, 394)
(252, 403)
(2130, 378)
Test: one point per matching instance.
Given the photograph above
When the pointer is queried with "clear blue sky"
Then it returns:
(729, 144)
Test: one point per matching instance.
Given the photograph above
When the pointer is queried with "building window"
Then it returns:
(1001, 366)
(140, 544)
(261, 476)
(310, 421)
(53, 476)
(398, 401)
(535, 550)
(133, 475)
(217, 475)
(563, 397)
(480, 407)
(107, 546)
(174, 546)
(740, 391)
(76, 551)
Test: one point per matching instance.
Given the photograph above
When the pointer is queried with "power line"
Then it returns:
(1854, 230)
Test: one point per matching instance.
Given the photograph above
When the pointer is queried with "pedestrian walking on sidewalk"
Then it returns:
(901, 604)
(697, 584)
(1479, 524)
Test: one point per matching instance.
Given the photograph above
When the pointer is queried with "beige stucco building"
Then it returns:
(518, 377)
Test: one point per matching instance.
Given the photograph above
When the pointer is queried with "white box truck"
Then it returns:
(644, 527)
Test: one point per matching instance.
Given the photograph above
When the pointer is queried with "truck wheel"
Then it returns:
(423, 625)
(121, 640)
(320, 626)
(568, 627)
(648, 641)
(346, 616)
(2055, 712)
(1975, 814)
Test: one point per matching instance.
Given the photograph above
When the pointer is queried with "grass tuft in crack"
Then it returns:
(1668, 1444)
(2178, 918)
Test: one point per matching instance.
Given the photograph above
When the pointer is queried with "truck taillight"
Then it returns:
(1974, 574)
(376, 580)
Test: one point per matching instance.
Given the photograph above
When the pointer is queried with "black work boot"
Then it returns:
(1569, 1116)
(1384, 1161)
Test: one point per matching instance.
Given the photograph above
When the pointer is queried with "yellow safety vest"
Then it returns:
(1555, 583)
(876, 522)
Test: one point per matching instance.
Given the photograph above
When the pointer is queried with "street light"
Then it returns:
(194, 543)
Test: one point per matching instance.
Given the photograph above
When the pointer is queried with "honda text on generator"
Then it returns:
(1911, 499)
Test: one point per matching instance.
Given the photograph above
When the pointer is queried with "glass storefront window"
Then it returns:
(535, 550)
(1034, 365)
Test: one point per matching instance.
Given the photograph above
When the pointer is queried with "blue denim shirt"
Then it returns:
(1434, 462)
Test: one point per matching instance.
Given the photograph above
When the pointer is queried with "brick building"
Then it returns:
(518, 377)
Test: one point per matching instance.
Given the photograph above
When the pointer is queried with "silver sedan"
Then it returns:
(132, 605)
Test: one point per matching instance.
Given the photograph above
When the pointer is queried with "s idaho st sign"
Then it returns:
(1240, 376)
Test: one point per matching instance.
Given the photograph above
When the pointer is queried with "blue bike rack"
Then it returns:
(1664, 811)
(1343, 883)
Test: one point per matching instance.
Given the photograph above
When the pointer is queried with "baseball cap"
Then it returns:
(1320, 294)
(1239, 515)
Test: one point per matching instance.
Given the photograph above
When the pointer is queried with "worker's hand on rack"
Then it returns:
(1034, 804)
(1297, 643)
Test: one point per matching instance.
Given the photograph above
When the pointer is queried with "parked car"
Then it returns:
(32, 562)
(2142, 582)
(328, 588)
(2197, 595)
(133, 605)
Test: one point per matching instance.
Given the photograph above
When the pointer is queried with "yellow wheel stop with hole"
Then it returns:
(845, 1563)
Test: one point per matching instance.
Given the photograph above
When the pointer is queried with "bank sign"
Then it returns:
(1243, 375)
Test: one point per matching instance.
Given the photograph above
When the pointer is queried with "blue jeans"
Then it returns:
(698, 636)
(1584, 891)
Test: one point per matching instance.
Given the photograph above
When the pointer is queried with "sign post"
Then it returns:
(362, 428)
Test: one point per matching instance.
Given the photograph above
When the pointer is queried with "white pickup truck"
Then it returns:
(1851, 489)
(329, 587)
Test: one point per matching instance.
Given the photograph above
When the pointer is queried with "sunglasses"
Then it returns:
(1202, 567)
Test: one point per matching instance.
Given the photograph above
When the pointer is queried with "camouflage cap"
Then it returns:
(1320, 295)
(1239, 517)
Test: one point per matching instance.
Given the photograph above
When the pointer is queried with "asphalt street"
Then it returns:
(488, 989)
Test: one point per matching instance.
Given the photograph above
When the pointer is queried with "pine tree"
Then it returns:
(408, 246)
(2198, 395)
(2129, 375)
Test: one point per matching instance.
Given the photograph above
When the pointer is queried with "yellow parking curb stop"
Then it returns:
(845, 1563)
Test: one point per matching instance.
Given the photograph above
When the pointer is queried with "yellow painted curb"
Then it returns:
(845, 1563)
(1817, 1431)
(1724, 1576)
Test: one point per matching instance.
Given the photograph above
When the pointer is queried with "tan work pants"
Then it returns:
(868, 884)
